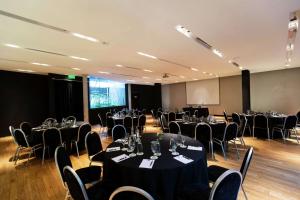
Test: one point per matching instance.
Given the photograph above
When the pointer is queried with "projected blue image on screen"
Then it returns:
(106, 93)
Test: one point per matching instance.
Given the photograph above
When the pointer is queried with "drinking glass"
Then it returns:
(173, 146)
(139, 148)
(154, 149)
(181, 140)
(131, 147)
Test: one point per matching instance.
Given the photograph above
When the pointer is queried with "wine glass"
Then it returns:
(181, 139)
(173, 146)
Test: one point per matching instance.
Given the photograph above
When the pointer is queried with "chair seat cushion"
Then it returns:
(214, 172)
(99, 157)
(89, 174)
(196, 191)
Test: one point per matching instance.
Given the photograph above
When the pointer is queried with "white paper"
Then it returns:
(183, 159)
(113, 149)
(120, 158)
(147, 163)
(194, 148)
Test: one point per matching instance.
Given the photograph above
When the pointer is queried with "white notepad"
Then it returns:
(111, 149)
(183, 159)
(194, 148)
(120, 158)
(147, 163)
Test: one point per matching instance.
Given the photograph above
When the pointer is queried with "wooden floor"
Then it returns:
(274, 172)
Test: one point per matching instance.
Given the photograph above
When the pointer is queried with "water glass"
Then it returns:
(181, 140)
(155, 148)
(131, 146)
(139, 148)
(173, 146)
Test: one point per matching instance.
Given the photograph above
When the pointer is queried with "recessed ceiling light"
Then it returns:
(147, 55)
(182, 76)
(41, 64)
(240, 67)
(194, 69)
(147, 70)
(158, 79)
(84, 37)
(79, 58)
(184, 31)
(218, 53)
(12, 45)
(102, 72)
(230, 61)
(210, 74)
(204, 72)
(287, 65)
(75, 68)
(145, 77)
(25, 70)
(176, 81)
(217, 76)
(119, 65)
(290, 47)
(195, 79)
(130, 80)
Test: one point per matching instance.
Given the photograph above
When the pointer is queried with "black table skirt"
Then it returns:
(167, 177)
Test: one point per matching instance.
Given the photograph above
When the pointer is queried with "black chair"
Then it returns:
(128, 123)
(230, 135)
(214, 171)
(261, 122)
(94, 147)
(72, 119)
(102, 127)
(130, 192)
(23, 144)
(12, 132)
(118, 132)
(82, 131)
(107, 116)
(188, 113)
(172, 116)
(26, 128)
(196, 113)
(226, 116)
(164, 124)
(242, 128)
(203, 133)
(142, 123)
(88, 175)
(236, 118)
(174, 127)
(289, 126)
(226, 187)
(298, 117)
(78, 190)
(51, 138)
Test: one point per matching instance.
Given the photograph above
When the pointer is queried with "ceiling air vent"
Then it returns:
(203, 43)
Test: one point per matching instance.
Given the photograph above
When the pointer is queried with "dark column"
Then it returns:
(246, 90)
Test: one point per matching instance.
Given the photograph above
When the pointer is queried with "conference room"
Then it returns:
(150, 100)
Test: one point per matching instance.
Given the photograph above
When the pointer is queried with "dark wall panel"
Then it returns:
(24, 97)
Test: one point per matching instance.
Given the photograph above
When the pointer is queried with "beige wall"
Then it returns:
(276, 90)
(174, 96)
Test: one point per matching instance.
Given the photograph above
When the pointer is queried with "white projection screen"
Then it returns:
(204, 92)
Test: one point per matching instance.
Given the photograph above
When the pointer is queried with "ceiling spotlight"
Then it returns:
(130, 80)
(25, 70)
(230, 61)
(194, 69)
(204, 72)
(102, 72)
(218, 53)
(184, 31)
(79, 58)
(12, 45)
(74, 68)
(240, 67)
(211, 74)
(182, 76)
(145, 77)
(85, 37)
(195, 79)
(147, 55)
(147, 70)
(119, 65)
(41, 64)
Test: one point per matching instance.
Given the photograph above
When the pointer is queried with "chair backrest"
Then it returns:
(196, 113)
(236, 118)
(290, 122)
(227, 186)
(246, 162)
(159, 113)
(203, 132)
(26, 128)
(93, 143)
(174, 127)
(100, 120)
(118, 132)
(52, 136)
(76, 187)
(225, 115)
(260, 121)
(298, 116)
(164, 122)
(50, 119)
(188, 113)
(83, 130)
(110, 123)
(231, 131)
(127, 122)
(71, 118)
(131, 193)
(61, 160)
(243, 125)
(12, 132)
(172, 116)
(142, 120)
(20, 138)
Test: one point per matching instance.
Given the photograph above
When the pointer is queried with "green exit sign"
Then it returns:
(71, 77)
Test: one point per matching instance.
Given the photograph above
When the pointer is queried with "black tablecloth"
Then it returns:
(188, 129)
(167, 176)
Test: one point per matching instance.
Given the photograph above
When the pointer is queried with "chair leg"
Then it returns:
(283, 135)
(253, 131)
(268, 131)
(44, 149)
(29, 155)
(212, 150)
(295, 132)
(272, 133)
(77, 149)
(17, 155)
(223, 151)
(67, 195)
(244, 192)
(237, 151)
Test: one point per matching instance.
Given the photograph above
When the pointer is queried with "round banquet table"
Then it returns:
(119, 120)
(167, 177)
